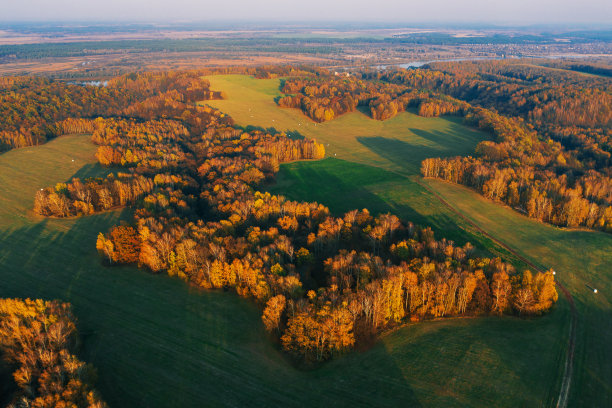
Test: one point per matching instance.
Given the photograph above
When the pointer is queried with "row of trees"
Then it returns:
(38, 339)
(93, 195)
(523, 189)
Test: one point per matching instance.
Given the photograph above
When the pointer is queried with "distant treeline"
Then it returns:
(88, 48)
(449, 39)
(279, 44)
(592, 68)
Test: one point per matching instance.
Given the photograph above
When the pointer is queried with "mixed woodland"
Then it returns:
(38, 341)
(36, 109)
(326, 283)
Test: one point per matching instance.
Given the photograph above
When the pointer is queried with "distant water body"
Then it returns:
(417, 64)
(89, 83)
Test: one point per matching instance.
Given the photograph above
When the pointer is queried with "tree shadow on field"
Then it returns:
(312, 182)
(366, 378)
(457, 140)
(344, 186)
(38, 253)
(365, 110)
(452, 142)
(252, 128)
(95, 170)
(294, 135)
(403, 154)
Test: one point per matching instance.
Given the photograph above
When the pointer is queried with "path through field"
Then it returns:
(571, 341)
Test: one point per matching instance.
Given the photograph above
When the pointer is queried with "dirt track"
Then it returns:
(566, 381)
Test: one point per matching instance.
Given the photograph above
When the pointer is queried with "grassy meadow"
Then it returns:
(582, 260)
(398, 144)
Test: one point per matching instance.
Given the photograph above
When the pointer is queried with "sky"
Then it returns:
(519, 12)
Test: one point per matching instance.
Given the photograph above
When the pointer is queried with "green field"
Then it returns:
(398, 144)
(582, 258)
(158, 343)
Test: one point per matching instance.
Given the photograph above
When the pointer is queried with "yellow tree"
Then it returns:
(500, 290)
(273, 312)
(105, 247)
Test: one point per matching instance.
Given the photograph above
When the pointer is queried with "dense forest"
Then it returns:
(325, 283)
(326, 97)
(35, 109)
(37, 342)
(551, 147)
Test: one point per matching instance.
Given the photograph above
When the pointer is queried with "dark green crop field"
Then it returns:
(158, 343)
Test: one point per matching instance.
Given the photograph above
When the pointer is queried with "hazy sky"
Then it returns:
(493, 11)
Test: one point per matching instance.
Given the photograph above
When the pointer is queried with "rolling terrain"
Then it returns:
(158, 343)
(582, 258)
(352, 137)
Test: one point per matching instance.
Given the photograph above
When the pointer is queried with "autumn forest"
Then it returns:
(326, 284)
